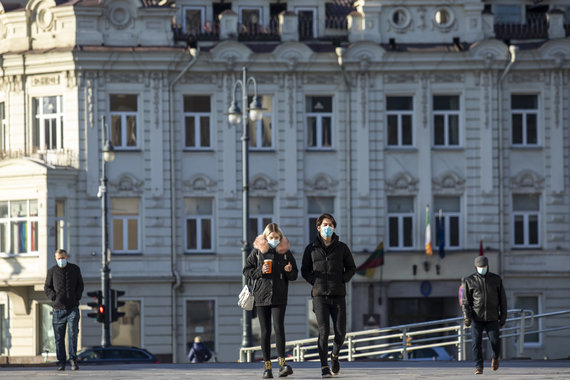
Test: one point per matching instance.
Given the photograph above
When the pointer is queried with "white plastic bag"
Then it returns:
(245, 298)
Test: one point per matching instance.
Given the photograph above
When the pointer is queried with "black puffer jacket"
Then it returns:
(328, 269)
(270, 288)
(484, 298)
(64, 286)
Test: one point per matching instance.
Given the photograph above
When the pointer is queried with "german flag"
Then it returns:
(375, 260)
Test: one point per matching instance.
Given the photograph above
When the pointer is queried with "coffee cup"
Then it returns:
(270, 262)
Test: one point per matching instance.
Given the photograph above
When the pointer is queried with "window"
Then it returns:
(261, 214)
(307, 21)
(48, 123)
(194, 20)
(60, 227)
(530, 302)
(524, 115)
(124, 121)
(399, 111)
(451, 217)
(199, 224)
(3, 128)
(260, 132)
(446, 121)
(126, 331)
(197, 116)
(508, 14)
(319, 122)
(400, 222)
(125, 217)
(19, 226)
(526, 221)
(316, 207)
(251, 19)
(201, 321)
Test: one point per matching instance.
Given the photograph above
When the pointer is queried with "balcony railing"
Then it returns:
(253, 31)
(535, 27)
(210, 31)
(61, 157)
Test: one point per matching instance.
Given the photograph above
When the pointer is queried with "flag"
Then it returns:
(441, 236)
(373, 261)
(429, 251)
(481, 247)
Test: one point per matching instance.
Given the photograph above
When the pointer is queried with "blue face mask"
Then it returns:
(326, 231)
(273, 243)
(482, 271)
(61, 263)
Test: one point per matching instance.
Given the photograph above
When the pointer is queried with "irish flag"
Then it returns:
(429, 251)
(373, 261)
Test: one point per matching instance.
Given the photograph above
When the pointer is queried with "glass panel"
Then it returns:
(49, 105)
(18, 209)
(319, 103)
(524, 102)
(116, 134)
(124, 206)
(531, 129)
(392, 129)
(3, 209)
(254, 229)
(508, 14)
(437, 220)
(198, 206)
(517, 128)
(393, 232)
(320, 205)
(266, 131)
(19, 237)
(406, 129)
(47, 338)
(206, 234)
(445, 102)
(59, 208)
(4, 237)
(131, 130)
(250, 17)
(193, 21)
(399, 103)
(126, 331)
(196, 103)
(201, 321)
(327, 131)
(454, 231)
(526, 202)
(438, 130)
(122, 103)
(446, 204)
(528, 303)
(312, 131)
(453, 130)
(261, 205)
(519, 230)
(252, 131)
(117, 234)
(408, 232)
(401, 204)
(266, 103)
(33, 236)
(204, 131)
(133, 237)
(533, 229)
(189, 131)
(33, 208)
(191, 234)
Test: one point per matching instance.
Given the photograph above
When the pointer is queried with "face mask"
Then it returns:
(482, 271)
(61, 263)
(326, 231)
(273, 243)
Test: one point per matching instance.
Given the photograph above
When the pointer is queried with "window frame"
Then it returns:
(125, 222)
(197, 130)
(259, 128)
(526, 214)
(39, 120)
(400, 114)
(524, 112)
(199, 218)
(242, 8)
(202, 11)
(446, 125)
(319, 126)
(124, 126)
(30, 233)
(141, 319)
(215, 323)
(400, 216)
(539, 326)
(447, 216)
(315, 14)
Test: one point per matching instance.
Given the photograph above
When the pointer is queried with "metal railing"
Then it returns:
(403, 339)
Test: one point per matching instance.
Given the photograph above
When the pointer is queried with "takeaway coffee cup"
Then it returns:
(270, 262)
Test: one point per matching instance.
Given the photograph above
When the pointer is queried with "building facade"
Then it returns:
(379, 112)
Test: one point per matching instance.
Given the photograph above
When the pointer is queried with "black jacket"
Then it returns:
(64, 286)
(484, 298)
(328, 269)
(270, 288)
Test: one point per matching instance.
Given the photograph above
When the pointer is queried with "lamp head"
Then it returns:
(108, 151)
(234, 114)
(255, 109)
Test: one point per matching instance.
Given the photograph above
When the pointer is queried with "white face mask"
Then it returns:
(482, 271)
(273, 243)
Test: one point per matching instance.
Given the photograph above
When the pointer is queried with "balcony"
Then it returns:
(60, 157)
(535, 27)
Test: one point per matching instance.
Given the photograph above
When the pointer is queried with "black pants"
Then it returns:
(326, 308)
(264, 314)
(493, 333)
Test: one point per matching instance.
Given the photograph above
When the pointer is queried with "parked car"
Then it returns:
(421, 354)
(116, 355)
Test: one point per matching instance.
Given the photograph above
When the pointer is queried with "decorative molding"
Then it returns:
(119, 77)
(406, 24)
(402, 184)
(45, 80)
(448, 183)
(199, 183)
(41, 14)
(321, 182)
(447, 78)
(127, 183)
(119, 15)
(527, 181)
(319, 79)
(262, 185)
(400, 78)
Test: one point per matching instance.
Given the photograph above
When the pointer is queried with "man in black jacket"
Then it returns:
(485, 308)
(64, 287)
(328, 265)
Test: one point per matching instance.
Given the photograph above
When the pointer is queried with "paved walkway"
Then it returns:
(510, 370)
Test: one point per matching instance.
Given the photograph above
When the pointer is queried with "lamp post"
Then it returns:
(107, 155)
(235, 117)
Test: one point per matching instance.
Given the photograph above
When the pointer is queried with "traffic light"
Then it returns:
(99, 313)
(116, 304)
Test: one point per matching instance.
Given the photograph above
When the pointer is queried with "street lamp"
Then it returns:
(108, 155)
(235, 117)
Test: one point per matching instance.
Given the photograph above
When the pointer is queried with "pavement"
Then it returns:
(392, 370)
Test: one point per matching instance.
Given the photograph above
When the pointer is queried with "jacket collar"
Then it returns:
(262, 246)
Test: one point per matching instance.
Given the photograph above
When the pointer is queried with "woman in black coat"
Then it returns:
(271, 289)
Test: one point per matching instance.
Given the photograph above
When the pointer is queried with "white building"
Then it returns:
(374, 110)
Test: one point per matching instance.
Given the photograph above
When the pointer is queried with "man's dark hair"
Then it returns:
(61, 250)
(326, 216)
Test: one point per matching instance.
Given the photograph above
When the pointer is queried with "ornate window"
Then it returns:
(451, 221)
(261, 214)
(197, 122)
(400, 222)
(319, 122)
(446, 125)
(399, 115)
(261, 132)
(124, 121)
(199, 225)
(48, 123)
(125, 221)
(19, 226)
(526, 221)
(524, 120)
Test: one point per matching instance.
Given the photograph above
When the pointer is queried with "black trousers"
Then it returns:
(326, 308)
(493, 333)
(265, 314)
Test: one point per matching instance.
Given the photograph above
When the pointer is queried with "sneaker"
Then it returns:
(74, 366)
(326, 373)
(495, 364)
(479, 371)
(284, 369)
(61, 366)
(335, 365)
(267, 373)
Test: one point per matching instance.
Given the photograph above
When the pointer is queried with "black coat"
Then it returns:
(328, 269)
(270, 288)
(484, 298)
(64, 286)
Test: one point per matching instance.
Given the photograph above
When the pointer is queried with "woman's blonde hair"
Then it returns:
(272, 227)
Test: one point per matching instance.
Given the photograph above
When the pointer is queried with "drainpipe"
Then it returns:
(177, 282)
(513, 55)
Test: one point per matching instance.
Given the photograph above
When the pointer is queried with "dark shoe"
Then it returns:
(61, 366)
(335, 365)
(74, 366)
(284, 369)
(267, 373)
(326, 373)
(479, 371)
(495, 364)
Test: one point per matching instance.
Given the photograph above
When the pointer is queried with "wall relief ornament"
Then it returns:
(41, 13)
(127, 183)
(199, 183)
(262, 185)
(321, 182)
(527, 181)
(448, 183)
(402, 183)
(119, 14)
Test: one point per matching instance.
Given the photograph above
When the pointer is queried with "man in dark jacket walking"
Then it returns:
(64, 287)
(484, 309)
(328, 265)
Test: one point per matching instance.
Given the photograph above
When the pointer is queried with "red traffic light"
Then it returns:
(101, 309)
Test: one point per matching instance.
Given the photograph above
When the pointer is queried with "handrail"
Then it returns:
(407, 338)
